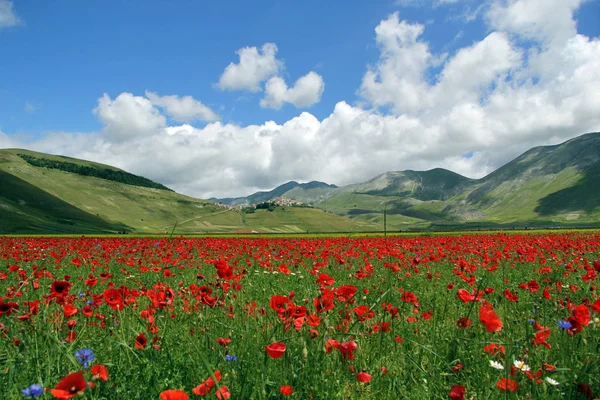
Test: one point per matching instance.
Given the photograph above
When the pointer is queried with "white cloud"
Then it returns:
(306, 91)
(255, 67)
(544, 20)
(182, 109)
(7, 14)
(128, 116)
(399, 76)
(492, 99)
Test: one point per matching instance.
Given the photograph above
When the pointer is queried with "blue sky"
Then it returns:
(58, 58)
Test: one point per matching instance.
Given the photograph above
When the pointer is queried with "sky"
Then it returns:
(220, 99)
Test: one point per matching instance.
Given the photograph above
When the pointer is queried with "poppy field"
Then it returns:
(441, 317)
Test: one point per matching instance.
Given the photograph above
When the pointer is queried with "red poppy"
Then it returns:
(489, 318)
(140, 341)
(114, 299)
(174, 395)
(363, 377)
(508, 385)
(100, 372)
(457, 392)
(278, 303)
(206, 386)
(585, 390)
(60, 288)
(596, 305)
(275, 350)
(494, 348)
(582, 314)
(223, 393)
(286, 390)
(463, 322)
(465, 296)
(7, 308)
(69, 310)
(70, 386)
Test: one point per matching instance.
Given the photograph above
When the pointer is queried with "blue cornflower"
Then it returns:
(81, 294)
(85, 356)
(565, 324)
(230, 358)
(532, 321)
(34, 390)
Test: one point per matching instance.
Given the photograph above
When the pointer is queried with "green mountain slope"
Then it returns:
(36, 199)
(279, 191)
(546, 185)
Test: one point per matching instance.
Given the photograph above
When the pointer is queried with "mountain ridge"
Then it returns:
(545, 186)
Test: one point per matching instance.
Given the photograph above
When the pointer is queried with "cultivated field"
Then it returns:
(474, 316)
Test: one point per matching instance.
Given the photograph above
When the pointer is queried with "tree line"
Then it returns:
(85, 170)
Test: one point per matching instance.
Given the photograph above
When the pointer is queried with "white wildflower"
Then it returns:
(522, 366)
(496, 365)
(551, 381)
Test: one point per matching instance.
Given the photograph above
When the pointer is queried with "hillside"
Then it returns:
(36, 199)
(545, 186)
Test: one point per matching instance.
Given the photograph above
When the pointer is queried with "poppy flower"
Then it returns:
(507, 385)
(174, 395)
(363, 377)
(465, 296)
(489, 318)
(457, 392)
(60, 288)
(69, 310)
(223, 393)
(463, 323)
(286, 390)
(100, 372)
(582, 315)
(140, 341)
(206, 386)
(7, 308)
(275, 350)
(114, 299)
(70, 386)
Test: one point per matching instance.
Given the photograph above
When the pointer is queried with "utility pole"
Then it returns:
(385, 221)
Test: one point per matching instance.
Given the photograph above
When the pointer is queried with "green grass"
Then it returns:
(50, 200)
(419, 366)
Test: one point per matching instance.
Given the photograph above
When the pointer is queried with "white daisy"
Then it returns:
(496, 365)
(522, 366)
(551, 381)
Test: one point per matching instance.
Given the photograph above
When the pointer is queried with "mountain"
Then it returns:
(43, 193)
(279, 191)
(546, 186)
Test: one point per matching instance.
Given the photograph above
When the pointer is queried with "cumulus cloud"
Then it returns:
(182, 109)
(128, 116)
(8, 17)
(255, 67)
(545, 20)
(469, 111)
(306, 91)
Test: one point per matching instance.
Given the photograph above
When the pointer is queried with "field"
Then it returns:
(462, 317)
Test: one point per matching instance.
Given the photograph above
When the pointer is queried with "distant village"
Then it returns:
(275, 202)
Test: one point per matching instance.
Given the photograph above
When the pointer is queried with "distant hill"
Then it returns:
(279, 191)
(43, 193)
(545, 186)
